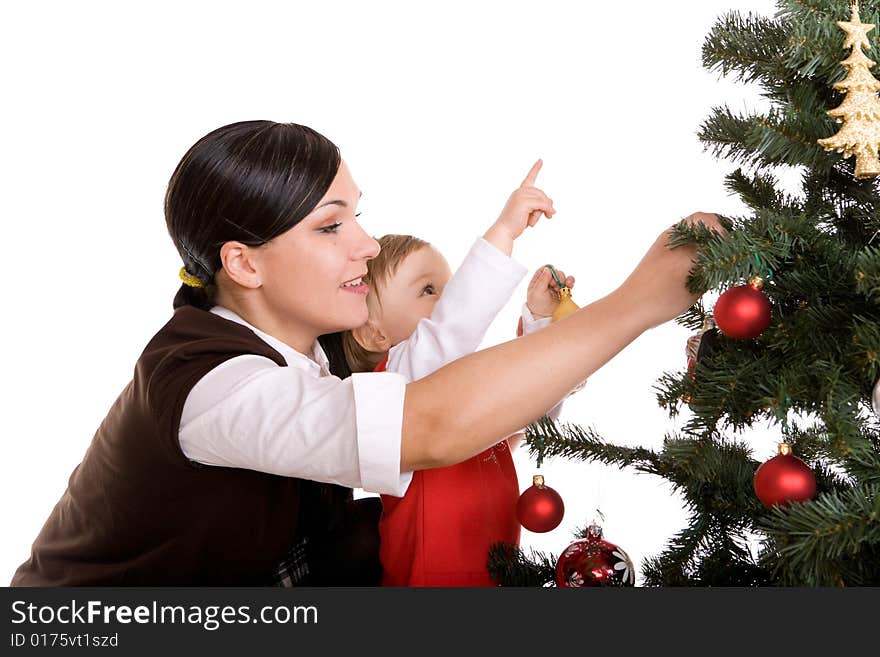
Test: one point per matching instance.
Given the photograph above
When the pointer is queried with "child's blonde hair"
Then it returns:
(394, 250)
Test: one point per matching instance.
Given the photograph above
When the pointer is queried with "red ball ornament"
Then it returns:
(784, 479)
(743, 312)
(540, 508)
(592, 561)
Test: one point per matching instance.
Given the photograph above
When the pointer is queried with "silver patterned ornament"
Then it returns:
(697, 347)
(875, 398)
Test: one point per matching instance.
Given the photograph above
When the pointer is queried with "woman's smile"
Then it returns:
(359, 288)
(356, 285)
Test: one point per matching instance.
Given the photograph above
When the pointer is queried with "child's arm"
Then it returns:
(542, 298)
(537, 312)
(477, 291)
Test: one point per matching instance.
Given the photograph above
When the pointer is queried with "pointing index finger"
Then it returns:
(532, 176)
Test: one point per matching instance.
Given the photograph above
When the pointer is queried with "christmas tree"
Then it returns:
(812, 370)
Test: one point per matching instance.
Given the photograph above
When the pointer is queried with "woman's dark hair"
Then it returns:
(250, 182)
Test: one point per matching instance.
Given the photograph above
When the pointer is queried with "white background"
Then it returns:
(439, 110)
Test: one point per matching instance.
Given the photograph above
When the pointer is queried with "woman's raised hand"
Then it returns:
(657, 286)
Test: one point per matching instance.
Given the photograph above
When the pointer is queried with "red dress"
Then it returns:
(440, 531)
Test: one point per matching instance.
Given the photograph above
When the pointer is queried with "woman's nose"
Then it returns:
(366, 247)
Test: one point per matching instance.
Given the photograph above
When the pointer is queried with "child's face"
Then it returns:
(411, 292)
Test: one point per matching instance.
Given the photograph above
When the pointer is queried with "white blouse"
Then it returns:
(301, 421)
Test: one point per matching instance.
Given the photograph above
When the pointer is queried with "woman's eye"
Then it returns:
(429, 289)
(330, 229)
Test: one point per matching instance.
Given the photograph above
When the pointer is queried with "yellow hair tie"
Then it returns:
(189, 279)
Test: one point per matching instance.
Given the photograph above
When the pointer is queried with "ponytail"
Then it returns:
(199, 297)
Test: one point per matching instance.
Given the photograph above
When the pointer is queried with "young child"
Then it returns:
(440, 532)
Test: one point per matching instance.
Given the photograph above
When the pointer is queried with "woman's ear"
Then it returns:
(237, 260)
(371, 337)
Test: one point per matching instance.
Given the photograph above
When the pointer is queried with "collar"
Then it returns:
(317, 362)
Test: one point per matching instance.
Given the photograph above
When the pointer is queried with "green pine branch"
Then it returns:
(759, 191)
(746, 47)
(763, 141)
(712, 476)
(546, 438)
(510, 566)
(832, 540)
(722, 560)
(868, 275)
(694, 316)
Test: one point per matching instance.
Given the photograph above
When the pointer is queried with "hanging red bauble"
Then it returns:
(540, 508)
(593, 561)
(743, 312)
(784, 479)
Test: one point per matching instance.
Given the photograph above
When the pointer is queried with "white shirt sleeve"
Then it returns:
(472, 298)
(250, 413)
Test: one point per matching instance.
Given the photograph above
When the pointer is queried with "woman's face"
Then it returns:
(309, 270)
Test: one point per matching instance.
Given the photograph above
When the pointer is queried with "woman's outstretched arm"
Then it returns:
(371, 430)
(473, 402)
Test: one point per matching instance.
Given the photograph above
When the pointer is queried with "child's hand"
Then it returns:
(542, 296)
(524, 208)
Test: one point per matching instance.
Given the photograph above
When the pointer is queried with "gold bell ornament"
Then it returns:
(566, 306)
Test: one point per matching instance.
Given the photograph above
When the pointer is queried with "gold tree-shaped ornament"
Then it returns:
(860, 110)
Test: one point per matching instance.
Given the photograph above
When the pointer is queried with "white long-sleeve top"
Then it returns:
(301, 421)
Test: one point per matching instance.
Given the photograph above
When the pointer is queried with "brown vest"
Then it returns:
(138, 512)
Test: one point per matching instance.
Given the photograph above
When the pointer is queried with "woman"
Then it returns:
(234, 443)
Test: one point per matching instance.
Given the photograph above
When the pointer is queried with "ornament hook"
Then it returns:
(559, 283)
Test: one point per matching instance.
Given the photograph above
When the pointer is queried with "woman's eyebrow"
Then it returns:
(338, 202)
